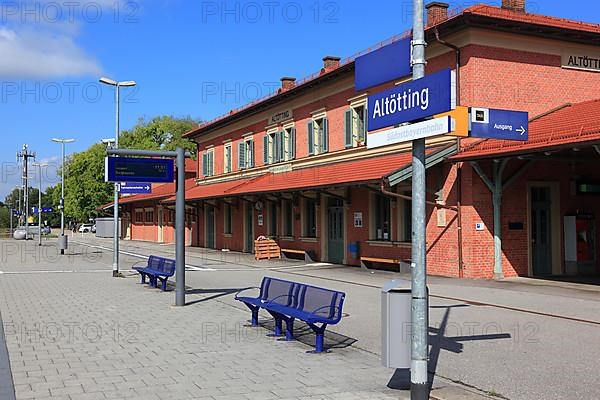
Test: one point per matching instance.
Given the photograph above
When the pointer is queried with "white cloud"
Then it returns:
(42, 54)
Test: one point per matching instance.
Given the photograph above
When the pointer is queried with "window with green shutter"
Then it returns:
(325, 140)
(349, 128)
(266, 160)
(204, 164)
(292, 145)
(242, 155)
(311, 138)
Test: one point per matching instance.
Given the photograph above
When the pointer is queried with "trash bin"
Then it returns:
(63, 242)
(354, 249)
(396, 324)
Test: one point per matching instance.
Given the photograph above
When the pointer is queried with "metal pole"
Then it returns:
(419, 378)
(62, 196)
(12, 212)
(40, 208)
(20, 202)
(116, 200)
(26, 190)
(180, 230)
(497, 205)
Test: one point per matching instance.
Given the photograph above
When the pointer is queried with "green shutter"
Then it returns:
(266, 149)
(210, 160)
(348, 127)
(241, 155)
(280, 146)
(292, 143)
(325, 138)
(204, 164)
(251, 153)
(311, 138)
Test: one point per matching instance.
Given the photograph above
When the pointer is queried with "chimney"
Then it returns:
(330, 63)
(436, 12)
(287, 83)
(516, 5)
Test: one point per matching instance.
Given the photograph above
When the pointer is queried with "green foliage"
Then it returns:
(160, 133)
(85, 189)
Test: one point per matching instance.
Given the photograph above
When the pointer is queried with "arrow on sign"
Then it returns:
(521, 130)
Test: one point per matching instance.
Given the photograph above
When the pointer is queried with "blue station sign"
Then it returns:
(383, 65)
(141, 170)
(499, 124)
(412, 101)
(135, 188)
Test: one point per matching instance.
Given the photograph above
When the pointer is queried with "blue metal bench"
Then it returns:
(288, 301)
(157, 268)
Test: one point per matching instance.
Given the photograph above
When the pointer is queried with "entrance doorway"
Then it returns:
(160, 225)
(249, 228)
(541, 231)
(210, 227)
(335, 229)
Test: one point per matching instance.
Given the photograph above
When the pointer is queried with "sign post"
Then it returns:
(418, 371)
(156, 170)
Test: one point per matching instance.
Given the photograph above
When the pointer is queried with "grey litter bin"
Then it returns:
(63, 242)
(395, 324)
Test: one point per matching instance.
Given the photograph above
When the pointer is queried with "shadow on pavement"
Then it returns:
(216, 294)
(305, 335)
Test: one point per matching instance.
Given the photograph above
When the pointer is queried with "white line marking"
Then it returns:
(127, 253)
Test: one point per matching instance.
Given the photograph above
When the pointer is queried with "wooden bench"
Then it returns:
(396, 261)
(266, 249)
(308, 257)
(288, 301)
(157, 268)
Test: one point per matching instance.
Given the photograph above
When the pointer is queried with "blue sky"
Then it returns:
(190, 58)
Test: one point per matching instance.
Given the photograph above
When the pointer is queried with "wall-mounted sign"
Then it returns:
(415, 100)
(407, 133)
(358, 220)
(480, 227)
(499, 124)
(123, 169)
(587, 62)
(260, 220)
(383, 65)
(280, 117)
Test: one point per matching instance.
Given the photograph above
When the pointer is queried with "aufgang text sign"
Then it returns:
(425, 97)
(123, 169)
(383, 65)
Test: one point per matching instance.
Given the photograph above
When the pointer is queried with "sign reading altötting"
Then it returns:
(422, 98)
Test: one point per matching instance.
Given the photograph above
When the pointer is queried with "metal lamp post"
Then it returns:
(40, 165)
(63, 240)
(117, 85)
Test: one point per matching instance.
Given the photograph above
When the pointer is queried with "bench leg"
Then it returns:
(320, 338)
(152, 281)
(278, 326)
(143, 278)
(163, 284)
(289, 329)
(254, 316)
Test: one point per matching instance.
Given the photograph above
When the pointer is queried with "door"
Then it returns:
(160, 225)
(249, 228)
(541, 234)
(210, 227)
(335, 229)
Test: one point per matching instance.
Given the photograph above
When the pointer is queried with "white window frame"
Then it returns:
(228, 158)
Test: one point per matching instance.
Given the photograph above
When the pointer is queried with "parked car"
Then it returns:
(86, 228)
(94, 228)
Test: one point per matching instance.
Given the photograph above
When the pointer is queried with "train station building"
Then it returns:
(294, 166)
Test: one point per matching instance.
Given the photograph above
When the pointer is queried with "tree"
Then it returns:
(160, 133)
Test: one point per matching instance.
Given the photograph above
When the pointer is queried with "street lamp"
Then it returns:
(63, 238)
(40, 166)
(117, 85)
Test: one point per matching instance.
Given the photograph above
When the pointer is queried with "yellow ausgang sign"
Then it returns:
(461, 116)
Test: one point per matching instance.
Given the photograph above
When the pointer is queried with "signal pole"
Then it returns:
(25, 154)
